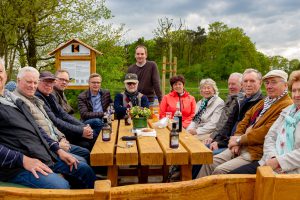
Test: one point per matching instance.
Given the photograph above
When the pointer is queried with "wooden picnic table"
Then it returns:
(148, 151)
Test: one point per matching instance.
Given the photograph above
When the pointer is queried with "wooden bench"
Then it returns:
(265, 185)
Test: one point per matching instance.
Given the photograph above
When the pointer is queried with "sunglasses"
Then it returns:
(131, 83)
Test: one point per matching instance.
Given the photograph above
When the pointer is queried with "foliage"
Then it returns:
(137, 112)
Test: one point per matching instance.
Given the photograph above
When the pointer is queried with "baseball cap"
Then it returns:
(131, 78)
(276, 73)
(47, 75)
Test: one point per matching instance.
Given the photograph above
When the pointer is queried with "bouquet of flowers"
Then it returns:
(138, 112)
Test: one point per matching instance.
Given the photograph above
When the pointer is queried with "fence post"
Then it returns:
(163, 80)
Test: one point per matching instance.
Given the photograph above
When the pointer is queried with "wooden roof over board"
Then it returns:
(71, 41)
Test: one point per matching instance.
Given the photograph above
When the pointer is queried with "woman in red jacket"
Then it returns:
(178, 93)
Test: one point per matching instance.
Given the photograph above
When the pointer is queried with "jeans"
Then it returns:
(96, 124)
(82, 154)
(82, 177)
(196, 168)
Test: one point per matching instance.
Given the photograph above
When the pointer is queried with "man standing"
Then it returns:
(93, 103)
(27, 155)
(76, 132)
(62, 80)
(246, 145)
(148, 75)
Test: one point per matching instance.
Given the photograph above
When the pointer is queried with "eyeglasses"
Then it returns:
(47, 82)
(63, 80)
(131, 83)
(94, 83)
(272, 83)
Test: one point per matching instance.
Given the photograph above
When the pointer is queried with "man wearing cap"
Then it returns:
(131, 97)
(76, 132)
(61, 83)
(246, 145)
(93, 103)
(148, 75)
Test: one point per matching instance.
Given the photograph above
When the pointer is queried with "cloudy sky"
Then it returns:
(273, 25)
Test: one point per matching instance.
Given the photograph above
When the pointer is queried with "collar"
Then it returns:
(141, 65)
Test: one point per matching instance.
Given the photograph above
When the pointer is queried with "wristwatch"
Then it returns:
(238, 140)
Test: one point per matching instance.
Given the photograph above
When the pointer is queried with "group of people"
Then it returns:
(43, 146)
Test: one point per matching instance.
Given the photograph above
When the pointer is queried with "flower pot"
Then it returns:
(139, 122)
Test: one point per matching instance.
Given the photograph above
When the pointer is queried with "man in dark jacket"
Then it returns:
(76, 132)
(27, 155)
(93, 103)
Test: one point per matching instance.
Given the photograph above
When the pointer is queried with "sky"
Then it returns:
(273, 25)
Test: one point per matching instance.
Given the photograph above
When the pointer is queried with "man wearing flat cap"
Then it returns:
(130, 97)
(246, 146)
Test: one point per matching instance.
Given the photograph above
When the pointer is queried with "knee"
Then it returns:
(218, 170)
(56, 181)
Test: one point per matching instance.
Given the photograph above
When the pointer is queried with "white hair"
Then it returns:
(23, 70)
(238, 75)
(209, 81)
(2, 62)
(250, 70)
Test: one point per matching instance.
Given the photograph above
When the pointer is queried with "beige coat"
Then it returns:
(35, 106)
(209, 118)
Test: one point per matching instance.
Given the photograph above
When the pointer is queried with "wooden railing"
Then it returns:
(265, 185)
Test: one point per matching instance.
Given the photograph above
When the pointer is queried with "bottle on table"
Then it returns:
(174, 137)
(155, 110)
(127, 118)
(178, 117)
(106, 130)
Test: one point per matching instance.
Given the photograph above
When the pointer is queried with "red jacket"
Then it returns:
(187, 106)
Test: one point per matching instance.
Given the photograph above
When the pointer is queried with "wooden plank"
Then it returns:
(103, 152)
(150, 152)
(178, 156)
(199, 153)
(124, 155)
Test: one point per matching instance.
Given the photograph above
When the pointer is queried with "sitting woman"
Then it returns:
(178, 94)
(282, 142)
(208, 110)
(131, 97)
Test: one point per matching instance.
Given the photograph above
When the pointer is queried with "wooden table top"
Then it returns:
(148, 150)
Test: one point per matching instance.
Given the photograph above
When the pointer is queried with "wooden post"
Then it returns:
(175, 66)
(102, 190)
(264, 184)
(163, 80)
(170, 60)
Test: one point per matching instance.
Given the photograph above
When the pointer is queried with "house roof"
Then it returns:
(71, 41)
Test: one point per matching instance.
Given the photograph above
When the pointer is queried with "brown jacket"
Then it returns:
(85, 105)
(255, 136)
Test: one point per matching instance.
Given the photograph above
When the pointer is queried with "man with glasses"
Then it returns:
(93, 103)
(62, 80)
(246, 145)
(130, 97)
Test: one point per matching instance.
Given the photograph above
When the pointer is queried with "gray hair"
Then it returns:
(250, 70)
(209, 81)
(23, 70)
(238, 75)
(2, 62)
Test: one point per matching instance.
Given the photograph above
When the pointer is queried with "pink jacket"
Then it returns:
(187, 106)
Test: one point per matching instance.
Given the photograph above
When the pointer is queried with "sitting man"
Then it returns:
(27, 81)
(28, 156)
(93, 103)
(62, 80)
(131, 97)
(246, 145)
(76, 132)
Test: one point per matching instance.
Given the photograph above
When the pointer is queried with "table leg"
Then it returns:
(165, 173)
(143, 174)
(186, 172)
(112, 175)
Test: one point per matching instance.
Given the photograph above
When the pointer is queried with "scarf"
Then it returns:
(202, 108)
(132, 97)
(268, 102)
(285, 135)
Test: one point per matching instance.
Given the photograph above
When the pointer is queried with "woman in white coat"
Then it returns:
(208, 110)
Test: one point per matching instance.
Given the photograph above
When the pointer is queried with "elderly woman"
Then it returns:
(208, 110)
(131, 97)
(282, 143)
(178, 94)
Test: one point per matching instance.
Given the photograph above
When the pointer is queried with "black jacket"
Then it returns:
(20, 133)
(85, 105)
(66, 123)
(236, 116)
